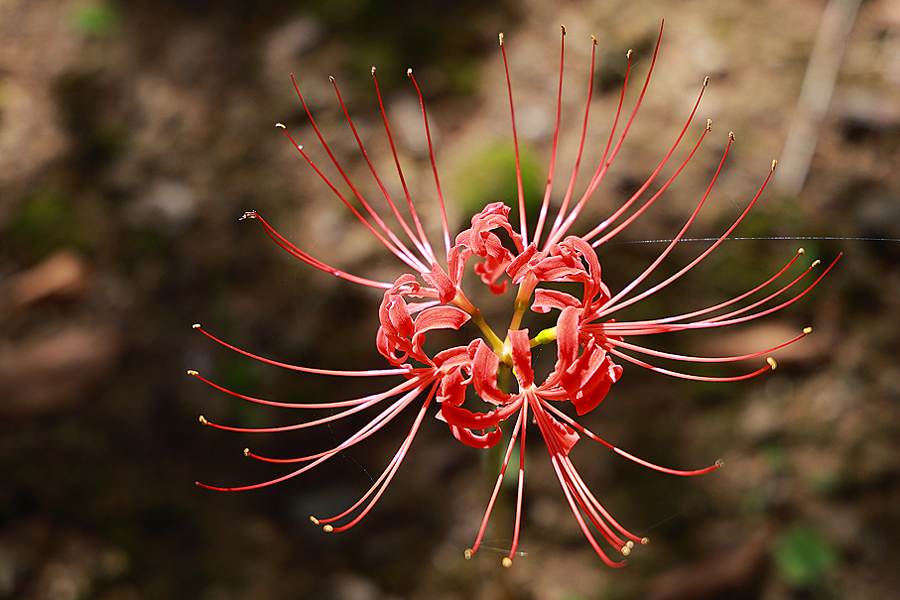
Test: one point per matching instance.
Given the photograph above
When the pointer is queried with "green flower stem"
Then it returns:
(544, 337)
(523, 297)
(465, 304)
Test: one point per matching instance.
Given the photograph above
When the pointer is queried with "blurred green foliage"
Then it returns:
(44, 222)
(95, 19)
(803, 557)
(490, 176)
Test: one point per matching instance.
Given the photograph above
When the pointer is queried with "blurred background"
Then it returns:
(133, 134)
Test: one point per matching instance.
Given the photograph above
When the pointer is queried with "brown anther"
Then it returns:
(594, 40)
(563, 29)
(731, 135)
(706, 81)
(720, 463)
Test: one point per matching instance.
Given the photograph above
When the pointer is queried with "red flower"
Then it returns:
(587, 338)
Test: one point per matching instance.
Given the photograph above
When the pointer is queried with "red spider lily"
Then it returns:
(588, 339)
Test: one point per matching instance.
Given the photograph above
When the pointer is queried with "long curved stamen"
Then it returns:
(398, 389)
(557, 459)
(383, 480)
(313, 262)
(428, 258)
(599, 228)
(437, 181)
(520, 190)
(339, 373)
(545, 204)
(564, 206)
(736, 299)
(400, 251)
(679, 375)
(705, 359)
(380, 421)
(423, 242)
(729, 318)
(616, 303)
(604, 165)
(584, 430)
(519, 426)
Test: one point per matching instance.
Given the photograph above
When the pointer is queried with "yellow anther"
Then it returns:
(506, 562)
(192, 372)
(196, 325)
(468, 554)
(625, 550)
(500, 37)
(203, 420)
(816, 263)
(801, 251)
(706, 81)
(807, 330)
(314, 520)
(328, 529)
(720, 463)
(708, 124)
(771, 362)
(246, 451)
(645, 541)
(280, 125)
(774, 163)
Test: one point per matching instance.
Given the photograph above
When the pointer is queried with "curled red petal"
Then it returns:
(546, 300)
(567, 337)
(442, 283)
(595, 387)
(437, 317)
(521, 356)
(484, 373)
(465, 418)
(476, 440)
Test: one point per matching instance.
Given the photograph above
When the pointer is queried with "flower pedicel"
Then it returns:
(589, 341)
